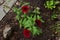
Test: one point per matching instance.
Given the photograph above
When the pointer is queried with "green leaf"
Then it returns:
(28, 24)
(29, 18)
(36, 10)
(51, 2)
(36, 31)
(42, 20)
(47, 2)
(17, 17)
(20, 23)
(39, 17)
(18, 13)
(25, 15)
(14, 9)
(34, 18)
(24, 21)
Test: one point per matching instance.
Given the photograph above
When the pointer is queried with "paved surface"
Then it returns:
(6, 7)
(2, 14)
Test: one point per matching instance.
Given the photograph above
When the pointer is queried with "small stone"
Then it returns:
(56, 38)
(17, 3)
(6, 30)
(56, 32)
(48, 39)
(16, 23)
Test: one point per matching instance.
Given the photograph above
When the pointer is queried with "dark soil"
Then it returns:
(16, 33)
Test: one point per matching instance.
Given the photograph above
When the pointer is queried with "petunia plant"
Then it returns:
(31, 21)
(51, 4)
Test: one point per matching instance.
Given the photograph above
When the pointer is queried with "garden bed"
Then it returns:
(48, 31)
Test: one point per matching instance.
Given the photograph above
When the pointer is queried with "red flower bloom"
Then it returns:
(26, 33)
(25, 9)
(38, 22)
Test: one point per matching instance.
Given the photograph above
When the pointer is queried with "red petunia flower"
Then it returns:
(26, 33)
(25, 9)
(38, 22)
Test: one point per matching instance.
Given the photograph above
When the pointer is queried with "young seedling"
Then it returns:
(51, 4)
(54, 16)
(36, 10)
